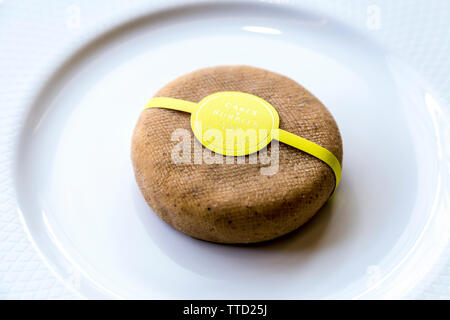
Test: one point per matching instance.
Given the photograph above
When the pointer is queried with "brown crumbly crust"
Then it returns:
(235, 203)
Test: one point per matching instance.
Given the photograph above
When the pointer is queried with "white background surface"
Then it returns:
(36, 39)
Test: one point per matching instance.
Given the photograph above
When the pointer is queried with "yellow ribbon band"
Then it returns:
(313, 149)
(257, 108)
(171, 103)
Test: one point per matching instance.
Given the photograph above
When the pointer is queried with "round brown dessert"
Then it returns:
(235, 202)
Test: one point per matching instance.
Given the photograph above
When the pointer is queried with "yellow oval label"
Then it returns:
(234, 123)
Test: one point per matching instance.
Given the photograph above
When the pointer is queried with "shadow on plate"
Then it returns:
(285, 255)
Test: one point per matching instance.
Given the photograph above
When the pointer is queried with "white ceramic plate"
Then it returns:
(378, 238)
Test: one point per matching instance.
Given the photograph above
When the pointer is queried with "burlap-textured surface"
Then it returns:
(235, 203)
